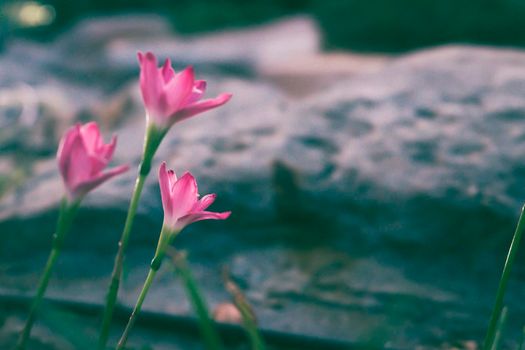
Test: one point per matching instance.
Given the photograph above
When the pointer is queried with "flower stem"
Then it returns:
(500, 295)
(151, 143)
(210, 335)
(500, 328)
(522, 340)
(165, 238)
(247, 314)
(251, 327)
(65, 218)
(136, 310)
(111, 297)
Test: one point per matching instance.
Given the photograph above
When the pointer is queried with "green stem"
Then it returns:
(65, 218)
(522, 340)
(151, 143)
(111, 297)
(500, 328)
(500, 295)
(136, 310)
(247, 314)
(210, 335)
(166, 237)
(251, 327)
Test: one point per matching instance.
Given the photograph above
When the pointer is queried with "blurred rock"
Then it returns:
(435, 136)
(244, 51)
(307, 74)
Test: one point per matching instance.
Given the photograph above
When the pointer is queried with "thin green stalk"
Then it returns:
(522, 340)
(247, 314)
(502, 288)
(136, 310)
(116, 275)
(65, 218)
(24, 336)
(151, 143)
(166, 236)
(210, 335)
(251, 327)
(499, 330)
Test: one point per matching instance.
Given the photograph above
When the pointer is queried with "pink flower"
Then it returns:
(170, 97)
(82, 157)
(180, 200)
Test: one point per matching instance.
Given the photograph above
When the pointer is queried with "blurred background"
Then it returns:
(372, 156)
(377, 25)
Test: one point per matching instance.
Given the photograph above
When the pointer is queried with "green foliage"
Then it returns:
(71, 327)
(205, 15)
(385, 25)
(209, 333)
(249, 319)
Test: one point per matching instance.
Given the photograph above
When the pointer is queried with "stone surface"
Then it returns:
(305, 75)
(377, 210)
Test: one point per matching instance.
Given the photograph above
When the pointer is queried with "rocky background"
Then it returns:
(373, 196)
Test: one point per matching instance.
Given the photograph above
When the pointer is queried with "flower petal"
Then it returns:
(64, 149)
(200, 107)
(91, 136)
(204, 202)
(203, 215)
(150, 80)
(85, 186)
(199, 88)
(80, 164)
(107, 150)
(172, 177)
(99, 153)
(179, 89)
(184, 194)
(165, 192)
(167, 71)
